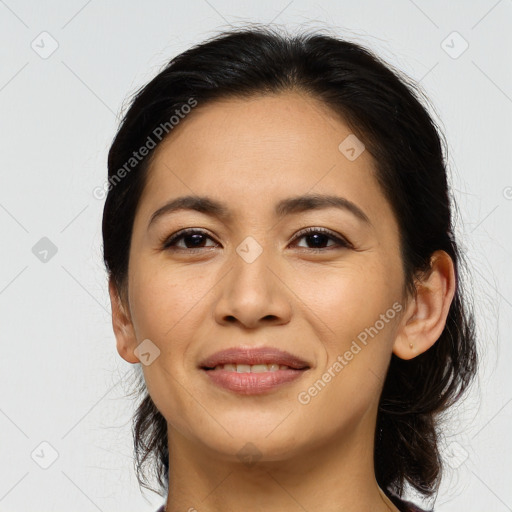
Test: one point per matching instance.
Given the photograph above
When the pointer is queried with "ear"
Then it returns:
(122, 325)
(425, 315)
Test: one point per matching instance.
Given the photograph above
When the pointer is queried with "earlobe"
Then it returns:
(425, 316)
(122, 325)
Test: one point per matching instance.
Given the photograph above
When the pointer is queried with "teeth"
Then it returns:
(255, 368)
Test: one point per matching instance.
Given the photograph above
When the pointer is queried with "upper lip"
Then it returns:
(261, 355)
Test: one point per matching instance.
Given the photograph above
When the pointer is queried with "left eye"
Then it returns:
(318, 237)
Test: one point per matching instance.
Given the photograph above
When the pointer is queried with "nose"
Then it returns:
(253, 293)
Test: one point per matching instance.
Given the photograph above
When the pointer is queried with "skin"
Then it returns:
(250, 154)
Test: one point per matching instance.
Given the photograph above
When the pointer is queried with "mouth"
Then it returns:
(256, 360)
(253, 371)
(254, 368)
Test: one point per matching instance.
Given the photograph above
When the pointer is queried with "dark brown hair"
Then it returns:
(384, 109)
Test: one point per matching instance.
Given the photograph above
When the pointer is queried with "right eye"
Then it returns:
(193, 237)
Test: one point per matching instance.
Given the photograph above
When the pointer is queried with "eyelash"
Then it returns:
(340, 241)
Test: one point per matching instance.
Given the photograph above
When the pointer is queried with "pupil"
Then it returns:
(318, 239)
(196, 237)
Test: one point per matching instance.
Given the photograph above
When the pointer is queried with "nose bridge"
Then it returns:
(252, 292)
(251, 276)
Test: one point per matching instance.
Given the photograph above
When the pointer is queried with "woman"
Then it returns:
(278, 237)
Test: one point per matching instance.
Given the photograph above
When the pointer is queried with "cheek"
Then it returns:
(348, 299)
(354, 319)
(357, 307)
(166, 309)
(163, 300)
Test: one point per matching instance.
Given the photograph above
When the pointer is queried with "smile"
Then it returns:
(247, 368)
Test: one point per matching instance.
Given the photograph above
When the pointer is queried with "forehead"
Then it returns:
(286, 123)
(252, 151)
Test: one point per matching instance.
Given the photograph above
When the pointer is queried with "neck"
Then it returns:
(321, 477)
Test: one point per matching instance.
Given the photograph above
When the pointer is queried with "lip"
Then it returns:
(260, 355)
(253, 383)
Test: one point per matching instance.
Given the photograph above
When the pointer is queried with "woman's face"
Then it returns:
(252, 280)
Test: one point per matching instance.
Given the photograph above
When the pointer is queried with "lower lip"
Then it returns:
(249, 383)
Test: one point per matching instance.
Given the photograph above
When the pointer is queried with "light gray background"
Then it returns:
(62, 381)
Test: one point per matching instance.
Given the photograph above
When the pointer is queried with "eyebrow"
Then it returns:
(289, 206)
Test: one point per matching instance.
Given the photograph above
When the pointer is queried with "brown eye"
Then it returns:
(319, 237)
(191, 237)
